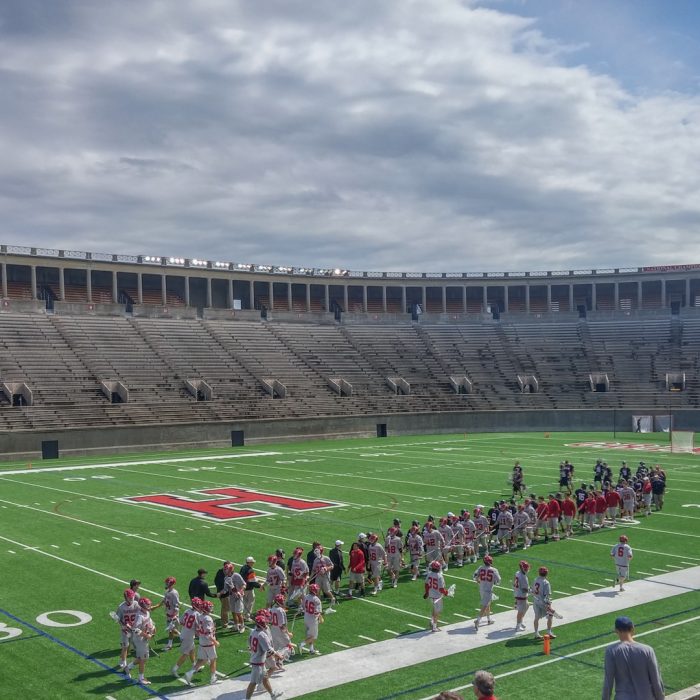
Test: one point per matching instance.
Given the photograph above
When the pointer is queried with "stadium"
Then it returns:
(161, 415)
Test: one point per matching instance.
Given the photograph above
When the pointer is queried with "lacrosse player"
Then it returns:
(435, 590)
(299, 575)
(171, 601)
(445, 529)
(142, 632)
(234, 588)
(377, 561)
(311, 605)
(281, 634)
(126, 615)
(260, 647)
(188, 621)
(481, 522)
(321, 574)
(542, 602)
(622, 554)
(521, 589)
(394, 549)
(415, 550)
(206, 654)
(487, 577)
(275, 579)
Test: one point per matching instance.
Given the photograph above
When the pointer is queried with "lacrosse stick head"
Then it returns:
(451, 590)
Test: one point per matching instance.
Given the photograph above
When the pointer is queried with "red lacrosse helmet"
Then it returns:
(129, 595)
(435, 565)
(488, 560)
(272, 560)
(279, 599)
(373, 537)
(543, 570)
(298, 551)
(228, 568)
(314, 588)
(206, 606)
(624, 539)
(524, 566)
(197, 603)
(391, 531)
(170, 582)
(145, 603)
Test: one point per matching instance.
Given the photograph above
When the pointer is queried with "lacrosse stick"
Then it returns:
(451, 590)
(553, 613)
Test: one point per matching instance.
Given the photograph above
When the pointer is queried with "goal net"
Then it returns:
(682, 441)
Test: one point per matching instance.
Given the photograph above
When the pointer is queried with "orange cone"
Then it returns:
(547, 645)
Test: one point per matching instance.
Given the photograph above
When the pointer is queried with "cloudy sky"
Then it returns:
(434, 135)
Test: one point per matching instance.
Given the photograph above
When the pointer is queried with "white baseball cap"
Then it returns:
(250, 560)
(339, 542)
(362, 536)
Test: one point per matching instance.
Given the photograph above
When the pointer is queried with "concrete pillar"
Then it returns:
(308, 297)
(639, 294)
(164, 290)
(270, 296)
(34, 289)
(549, 297)
(484, 298)
(663, 293)
(289, 296)
(61, 283)
(4, 280)
(252, 294)
(88, 280)
(617, 296)
(424, 301)
(139, 288)
(505, 298)
(384, 307)
(115, 290)
(594, 298)
(327, 296)
(571, 297)
(209, 293)
(345, 298)
(687, 292)
(403, 298)
(444, 300)
(230, 293)
(464, 300)
(364, 298)
(187, 290)
(527, 298)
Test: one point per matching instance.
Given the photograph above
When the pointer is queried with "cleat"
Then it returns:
(145, 681)
(214, 680)
(394, 584)
(174, 671)
(277, 694)
(552, 635)
(188, 677)
(538, 636)
(476, 624)
(314, 652)
(330, 611)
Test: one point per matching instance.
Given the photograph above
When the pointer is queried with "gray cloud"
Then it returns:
(370, 135)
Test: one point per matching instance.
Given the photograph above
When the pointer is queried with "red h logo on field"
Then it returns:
(226, 505)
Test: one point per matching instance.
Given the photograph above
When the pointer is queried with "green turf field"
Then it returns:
(70, 542)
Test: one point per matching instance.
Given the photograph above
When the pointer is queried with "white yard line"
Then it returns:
(369, 639)
(342, 646)
(371, 660)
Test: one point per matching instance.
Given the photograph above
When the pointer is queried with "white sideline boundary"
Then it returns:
(369, 660)
(109, 465)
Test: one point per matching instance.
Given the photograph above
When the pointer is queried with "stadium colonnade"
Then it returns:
(113, 352)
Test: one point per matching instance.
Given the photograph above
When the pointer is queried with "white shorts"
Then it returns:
(280, 639)
(257, 673)
(628, 506)
(376, 569)
(272, 591)
(356, 578)
(206, 653)
(486, 598)
(141, 649)
(646, 499)
(324, 584)
(612, 512)
(623, 571)
(415, 559)
(521, 605)
(186, 645)
(394, 563)
(566, 519)
(540, 610)
(125, 639)
(236, 605)
(503, 533)
(311, 626)
(554, 523)
(437, 605)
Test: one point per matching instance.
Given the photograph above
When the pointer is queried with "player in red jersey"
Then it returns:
(568, 513)
(601, 505)
(613, 500)
(589, 508)
(542, 510)
(356, 577)
(553, 513)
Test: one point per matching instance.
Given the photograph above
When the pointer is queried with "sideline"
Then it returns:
(374, 659)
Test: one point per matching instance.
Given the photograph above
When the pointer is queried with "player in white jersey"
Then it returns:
(377, 561)
(542, 602)
(275, 579)
(394, 549)
(521, 522)
(188, 623)
(435, 590)
(445, 529)
(434, 543)
(469, 537)
(171, 601)
(280, 632)
(299, 576)
(482, 525)
(127, 612)
(206, 654)
(415, 550)
(629, 498)
(311, 604)
(261, 648)
(622, 554)
(321, 575)
(504, 524)
(234, 588)
(142, 632)
(521, 589)
(458, 541)
(487, 577)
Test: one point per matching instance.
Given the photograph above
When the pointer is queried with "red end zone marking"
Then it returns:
(225, 508)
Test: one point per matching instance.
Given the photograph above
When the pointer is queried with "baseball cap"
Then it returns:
(250, 560)
(624, 624)
(339, 542)
(361, 536)
(201, 571)
(134, 582)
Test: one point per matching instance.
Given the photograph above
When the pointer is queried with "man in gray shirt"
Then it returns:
(631, 667)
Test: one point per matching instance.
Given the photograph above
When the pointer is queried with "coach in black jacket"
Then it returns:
(199, 588)
(336, 556)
